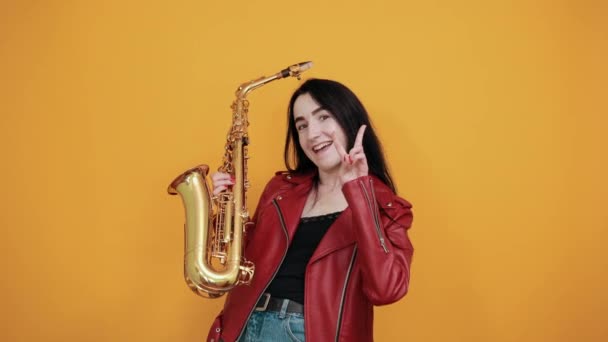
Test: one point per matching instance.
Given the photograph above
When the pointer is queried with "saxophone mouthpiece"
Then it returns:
(295, 70)
(305, 66)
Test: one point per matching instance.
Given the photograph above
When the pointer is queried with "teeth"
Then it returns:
(318, 148)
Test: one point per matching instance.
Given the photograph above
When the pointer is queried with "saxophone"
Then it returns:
(213, 257)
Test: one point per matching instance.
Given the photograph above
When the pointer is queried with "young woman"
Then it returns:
(330, 237)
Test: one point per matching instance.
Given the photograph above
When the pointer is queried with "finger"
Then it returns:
(218, 176)
(356, 149)
(219, 189)
(352, 159)
(348, 160)
(358, 157)
(359, 139)
(339, 147)
(223, 182)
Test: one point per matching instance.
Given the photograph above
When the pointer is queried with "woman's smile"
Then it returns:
(322, 146)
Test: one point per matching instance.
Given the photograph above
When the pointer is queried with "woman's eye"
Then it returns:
(323, 117)
(301, 127)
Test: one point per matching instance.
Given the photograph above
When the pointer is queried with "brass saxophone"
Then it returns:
(213, 258)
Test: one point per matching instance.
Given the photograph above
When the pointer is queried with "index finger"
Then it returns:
(359, 139)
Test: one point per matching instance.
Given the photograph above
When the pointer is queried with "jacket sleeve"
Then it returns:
(384, 249)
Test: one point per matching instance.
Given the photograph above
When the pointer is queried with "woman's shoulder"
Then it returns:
(280, 183)
(385, 197)
(286, 178)
(279, 178)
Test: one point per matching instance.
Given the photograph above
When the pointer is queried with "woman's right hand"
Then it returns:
(221, 181)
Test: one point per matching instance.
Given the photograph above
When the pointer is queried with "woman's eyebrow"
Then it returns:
(314, 112)
(320, 109)
(317, 110)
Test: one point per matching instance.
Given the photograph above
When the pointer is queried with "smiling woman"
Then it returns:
(330, 237)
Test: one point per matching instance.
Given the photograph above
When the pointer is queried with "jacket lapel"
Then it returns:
(291, 201)
(339, 235)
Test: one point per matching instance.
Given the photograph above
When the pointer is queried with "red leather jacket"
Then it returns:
(363, 259)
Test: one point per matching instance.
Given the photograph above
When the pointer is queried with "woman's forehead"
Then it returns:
(305, 106)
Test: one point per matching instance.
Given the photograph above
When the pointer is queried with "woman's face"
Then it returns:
(315, 126)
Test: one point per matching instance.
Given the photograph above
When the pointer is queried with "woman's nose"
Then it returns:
(313, 131)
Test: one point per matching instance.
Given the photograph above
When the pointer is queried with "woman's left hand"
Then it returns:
(354, 163)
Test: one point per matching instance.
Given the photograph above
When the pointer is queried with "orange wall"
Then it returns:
(493, 115)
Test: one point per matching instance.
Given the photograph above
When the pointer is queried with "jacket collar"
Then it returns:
(296, 178)
(384, 194)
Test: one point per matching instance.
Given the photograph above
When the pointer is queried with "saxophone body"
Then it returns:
(215, 225)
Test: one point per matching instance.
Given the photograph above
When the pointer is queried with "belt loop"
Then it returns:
(284, 308)
(266, 297)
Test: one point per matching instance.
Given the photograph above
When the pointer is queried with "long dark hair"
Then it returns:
(350, 114)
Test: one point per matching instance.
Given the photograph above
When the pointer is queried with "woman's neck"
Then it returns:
(329, 181)
(326, 197)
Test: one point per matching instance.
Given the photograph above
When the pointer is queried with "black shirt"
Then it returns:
(289, 280)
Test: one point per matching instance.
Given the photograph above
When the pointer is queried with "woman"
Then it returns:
(330, 236)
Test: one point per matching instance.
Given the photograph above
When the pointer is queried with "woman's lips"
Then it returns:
(321, 147)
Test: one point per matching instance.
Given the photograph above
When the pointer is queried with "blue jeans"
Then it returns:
(274, 326)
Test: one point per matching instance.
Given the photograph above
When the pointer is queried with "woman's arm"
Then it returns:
(384, 249)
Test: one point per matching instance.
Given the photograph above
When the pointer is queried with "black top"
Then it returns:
(289, 280)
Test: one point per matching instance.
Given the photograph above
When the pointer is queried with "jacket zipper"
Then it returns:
(374, 214)
(346, 281)
(276, 205)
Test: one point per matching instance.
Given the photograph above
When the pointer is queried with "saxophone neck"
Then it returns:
(291, 71)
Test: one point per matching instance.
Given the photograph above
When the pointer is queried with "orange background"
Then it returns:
(493, 115)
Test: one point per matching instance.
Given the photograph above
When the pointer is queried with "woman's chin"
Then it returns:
(327, 166)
